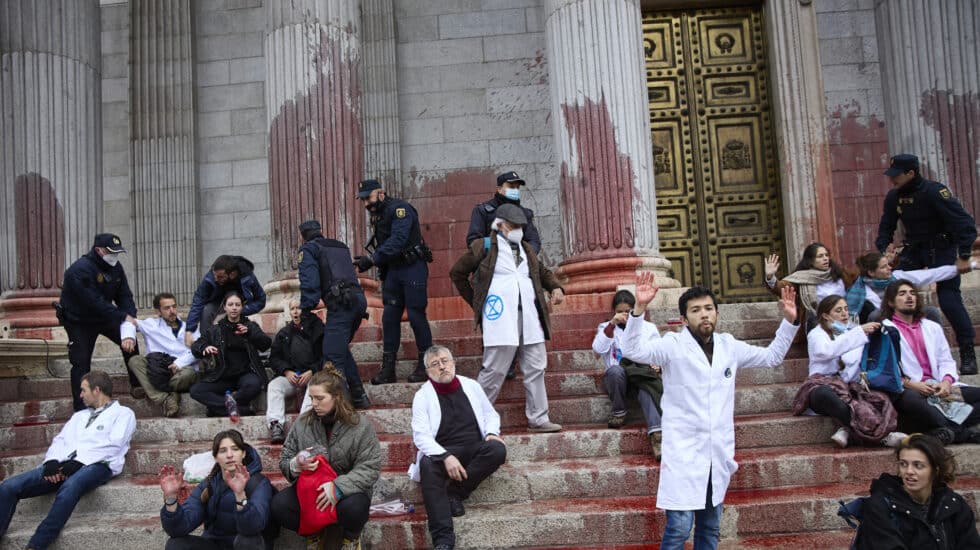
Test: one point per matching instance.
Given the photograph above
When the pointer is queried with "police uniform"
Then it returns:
(402, 258)
(326, 272)
(484, 213)
(937, 231)
(95, 299)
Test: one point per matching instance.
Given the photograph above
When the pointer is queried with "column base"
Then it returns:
(28, 314)
(609, 274)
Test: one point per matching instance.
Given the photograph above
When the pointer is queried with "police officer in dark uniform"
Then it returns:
(508, 192)
(402, 258)
(326, 272)
(96, 299)
(938, 231)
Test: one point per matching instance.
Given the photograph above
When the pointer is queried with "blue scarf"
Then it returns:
(856, 294)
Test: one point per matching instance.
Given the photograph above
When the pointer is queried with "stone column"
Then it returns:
(382, 151)
(50, 149)
(931, 85)
(162, 150)
(801, 132)
(316, 141)
(602, 139)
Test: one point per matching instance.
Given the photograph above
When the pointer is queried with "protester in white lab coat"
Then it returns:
(699, 369)
(88, 451)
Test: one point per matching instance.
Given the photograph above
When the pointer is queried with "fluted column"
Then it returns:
(50, 149)
(162, 149)
(382, 150)
(602, 139)
(316, 143)
(930, 75)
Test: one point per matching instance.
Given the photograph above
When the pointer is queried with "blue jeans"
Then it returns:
(31, 484)
(706, 522)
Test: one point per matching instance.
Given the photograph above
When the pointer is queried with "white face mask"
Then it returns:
(516, 235)
(111, 259)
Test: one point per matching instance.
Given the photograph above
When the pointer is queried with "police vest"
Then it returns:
(382, 227)
(335, 264)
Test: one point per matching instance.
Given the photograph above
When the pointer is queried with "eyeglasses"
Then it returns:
(436, 363)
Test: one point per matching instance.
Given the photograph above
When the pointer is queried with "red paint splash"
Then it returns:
(598, 198)
(316, 157)
(956, 117)
(40, 233)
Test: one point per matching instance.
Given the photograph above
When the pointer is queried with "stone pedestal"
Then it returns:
(50, 150)
(602, 139)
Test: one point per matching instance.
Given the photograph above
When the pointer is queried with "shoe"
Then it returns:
(387, 373)
(171, 405)
(512, 371)
(656, 442)
(945, 436)
(970, 435)
(893, 439)
(351, 544)
(137, 392)
(616, 422)
(456, 507)
(361, 401)
(544, 428)
(277, 434)
(443, 547)
(841, 436)
(419, 374)
(968, 360)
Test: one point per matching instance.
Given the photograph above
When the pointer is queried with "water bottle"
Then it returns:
(231, 406)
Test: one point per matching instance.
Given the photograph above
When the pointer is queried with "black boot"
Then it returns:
(387, 373)
(359, 398)
(419, 374)
(968, 360)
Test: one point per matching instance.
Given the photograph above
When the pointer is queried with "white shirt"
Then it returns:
(159, 337)
(610, 349)
(824, 352)
(918, 277)
(937, 349)
(106, 440)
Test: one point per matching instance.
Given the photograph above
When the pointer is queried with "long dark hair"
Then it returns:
(623, 297)
(333, 382)
(823, 308)
(236, 437)
(888, 311)
(868, 263)
(942, 461)
(810, 253)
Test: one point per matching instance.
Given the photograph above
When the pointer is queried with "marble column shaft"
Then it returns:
(382, 150)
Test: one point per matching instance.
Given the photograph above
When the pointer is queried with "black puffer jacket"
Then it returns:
(891, 520)
(96, 293)
(217, 335)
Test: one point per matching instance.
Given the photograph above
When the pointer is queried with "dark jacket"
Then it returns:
(96, 293)
(215, 335)
(397, 230)
(890, 520)
(480, 263)
(222, 521)
(325, 263)
(210, 292)
(309, 336)
(484, 213)
(932, 216)
(355, 453)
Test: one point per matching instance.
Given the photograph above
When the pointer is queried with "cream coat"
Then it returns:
(937, 348)
(698, 407)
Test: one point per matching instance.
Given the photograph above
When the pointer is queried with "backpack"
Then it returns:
(882, 359)
(851, 512)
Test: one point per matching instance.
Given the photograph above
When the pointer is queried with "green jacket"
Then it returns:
(355, 453)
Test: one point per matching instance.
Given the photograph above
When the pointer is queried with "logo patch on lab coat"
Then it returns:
(728, 372)
(493, 308)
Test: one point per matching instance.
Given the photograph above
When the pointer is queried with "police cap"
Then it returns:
(901, 164)
(365, 187)
(511, 213)
(109, 242)
(309, 225)
(508, 177)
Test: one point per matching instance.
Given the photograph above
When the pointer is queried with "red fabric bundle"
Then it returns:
(311, 520)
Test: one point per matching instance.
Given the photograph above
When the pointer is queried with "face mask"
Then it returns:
(513, 194)
(515, 236)
(111, 259)
(838, 327)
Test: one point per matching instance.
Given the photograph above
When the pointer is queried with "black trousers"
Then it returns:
(81, 344)
(352, 511)
(481, 460)
(212, 394)
(195, 542)
(824, 401)
(948, 291)
(915, 414)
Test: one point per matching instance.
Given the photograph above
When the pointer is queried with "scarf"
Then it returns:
(448, 387)
(856, 294)
(806, 281)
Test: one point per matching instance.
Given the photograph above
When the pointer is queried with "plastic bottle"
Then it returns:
(231, 406)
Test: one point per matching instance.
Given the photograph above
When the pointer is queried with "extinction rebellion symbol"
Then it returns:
(493, 308)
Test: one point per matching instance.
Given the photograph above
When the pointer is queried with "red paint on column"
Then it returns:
(40, 234)
(957, 119)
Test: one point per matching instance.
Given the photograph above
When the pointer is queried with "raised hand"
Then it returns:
(646, 289)
(170, 481)
(787, 303)
(772, 265)
(237, 479)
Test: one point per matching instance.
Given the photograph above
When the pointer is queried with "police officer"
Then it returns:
(96, 299)
(326, 272)
(508, 192)
(938, 231)
(402, 258)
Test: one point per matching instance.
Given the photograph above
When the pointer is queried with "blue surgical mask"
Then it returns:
(838, 327)
(513, 194)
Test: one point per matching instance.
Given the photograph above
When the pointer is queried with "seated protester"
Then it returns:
(834, 387)
(232, 502)
(864, 296)
(230, 350)
(456, 431)
(88, 451)
(916, 509)
(928, 372)
(227, 273)
(349, 444)
(815, 277)
(622, 374)
(171, 362)
(297, 353)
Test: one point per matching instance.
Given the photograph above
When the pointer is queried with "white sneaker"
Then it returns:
(841, 436)
(893, 439)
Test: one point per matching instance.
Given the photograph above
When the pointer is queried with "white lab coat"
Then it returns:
(106, 440)
(918, 277)
(698, 407)
(160, 338)
(427, 416)
(511, 286)
(937, 348)
(824, 352)
(606, 347)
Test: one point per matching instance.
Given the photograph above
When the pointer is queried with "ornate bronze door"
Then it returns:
(718, 206)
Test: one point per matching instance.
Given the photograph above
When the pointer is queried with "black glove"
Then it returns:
(363, 263)
(50, 468)
(69, 467)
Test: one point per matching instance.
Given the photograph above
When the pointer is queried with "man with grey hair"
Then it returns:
(457, 433)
